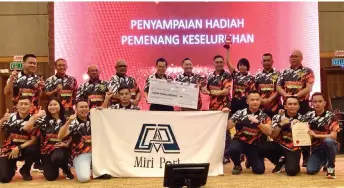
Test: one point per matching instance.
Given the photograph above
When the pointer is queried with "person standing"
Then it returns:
(94, 89)
(218, 88)
(121, 78)
(297, 81)
(266, 82)
(189, 77)
(161, 67)
(62, 86)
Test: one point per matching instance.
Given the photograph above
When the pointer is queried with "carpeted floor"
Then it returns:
(246, 179)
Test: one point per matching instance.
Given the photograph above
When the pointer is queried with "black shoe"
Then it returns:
(236, 170)
(330, 173)
(226, 161)
(278, 168)
(26, 175)
(105, 176)
(37, 167)
(68, 174)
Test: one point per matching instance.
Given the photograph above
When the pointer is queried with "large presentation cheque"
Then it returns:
(173, 93)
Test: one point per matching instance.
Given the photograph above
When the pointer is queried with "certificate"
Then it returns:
(173, 93)
(300, 135)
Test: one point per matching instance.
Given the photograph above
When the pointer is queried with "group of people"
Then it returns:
(60, 135)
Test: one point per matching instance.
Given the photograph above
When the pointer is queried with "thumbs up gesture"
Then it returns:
(14, 75)
(41, 112)
(6, 116)
(71, 118)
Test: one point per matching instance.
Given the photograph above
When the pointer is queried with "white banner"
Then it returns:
(173, 93)
(129, 143)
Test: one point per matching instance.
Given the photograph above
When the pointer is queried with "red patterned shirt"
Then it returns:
(266, 85)
(81, 137)
(294, 80)
(219, 82)
(285, 138)
(14, 135)
(116, 81)
(322, 125)
(247, 131)
(242, 84)
(26, 85)
(93, 91)
(47, 130)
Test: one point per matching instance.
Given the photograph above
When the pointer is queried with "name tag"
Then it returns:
(66, 93)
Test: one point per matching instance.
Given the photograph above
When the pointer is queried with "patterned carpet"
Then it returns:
(246, 179)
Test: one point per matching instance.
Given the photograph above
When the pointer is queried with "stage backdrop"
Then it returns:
(140, 143)
(140, 32)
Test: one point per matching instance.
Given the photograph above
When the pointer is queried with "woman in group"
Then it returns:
(54, 152)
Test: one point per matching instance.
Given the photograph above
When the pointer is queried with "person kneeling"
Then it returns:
(324, 127)
(54, 152)
(19, 144)
(78, 126)
(283, 140)
(251, 123)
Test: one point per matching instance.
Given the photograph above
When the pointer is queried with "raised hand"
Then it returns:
(71, 118)
(285, 121)
(109, 95)
(6, 116)
(41, 112)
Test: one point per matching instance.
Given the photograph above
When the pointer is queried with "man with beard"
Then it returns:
(62, 86)
(121, 78)
(94, 89)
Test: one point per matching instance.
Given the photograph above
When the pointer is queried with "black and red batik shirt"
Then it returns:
(285, 138)
(247, 131)
(219, 82)
(155, 76)
(68, 92)
(26, 85)
(321, 124)
(117, 80)
(242, 84)
(294, 80)
(193, 79)
(93, 91)
(266, 86)
(81, 137)
(47, 130)
(14, 135)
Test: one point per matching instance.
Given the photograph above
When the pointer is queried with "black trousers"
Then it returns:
(159, 107)
(53, 161)
(273, 151)
(8, 166)
(238, 147)
(227, 144)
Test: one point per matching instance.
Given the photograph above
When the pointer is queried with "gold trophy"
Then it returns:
(228, 42)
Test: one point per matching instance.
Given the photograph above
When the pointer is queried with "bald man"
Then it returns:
(122, 79)
(297, 81)
(94, 89)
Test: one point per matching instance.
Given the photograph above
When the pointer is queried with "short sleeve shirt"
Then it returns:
(219, 82)
(14, 135)
(116, 81)
(285, 138)
(68, 92)
(242, 84)
(266, 86)
(247, 131)
(323, 124)
(93, 91)
(26, 85)
(294, 80)
(47, 130)
(119, 106)
(81, 137)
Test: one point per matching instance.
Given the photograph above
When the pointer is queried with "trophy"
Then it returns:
(228, 42)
